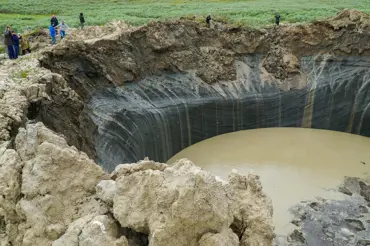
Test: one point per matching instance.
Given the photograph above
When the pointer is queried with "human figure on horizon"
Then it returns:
(8, 41)
(208, 20)
(82, 20)
(54, 20)
(15, 44)
(25, 47)
(277, 19)
(63, 26)
(53, 34)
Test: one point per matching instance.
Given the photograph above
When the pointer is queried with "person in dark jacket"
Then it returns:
(8, 41)
(208, 20)
(54, 21)
(82, 20)
(15, 44)
(277, 19)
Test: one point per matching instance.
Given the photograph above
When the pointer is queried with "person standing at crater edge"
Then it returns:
(15, 44)
(277, 19)
(54, 20)
(82, 20)
(63, 26)
(52, 34)
(24, 44)
(208, 20)
(8, 41)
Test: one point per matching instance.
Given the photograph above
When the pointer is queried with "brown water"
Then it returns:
(294, 164)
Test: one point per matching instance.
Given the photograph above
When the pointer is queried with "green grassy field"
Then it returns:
(29, 14)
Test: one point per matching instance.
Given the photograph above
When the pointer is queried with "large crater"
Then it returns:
(164, 114)
(159, 89)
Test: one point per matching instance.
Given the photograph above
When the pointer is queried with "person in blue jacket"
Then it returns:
(15, 44)
(52, 34)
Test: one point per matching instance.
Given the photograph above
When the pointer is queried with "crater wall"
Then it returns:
(154, 90)
(161, 115)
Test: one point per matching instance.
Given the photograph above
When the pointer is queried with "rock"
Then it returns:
(356, 225)
(351, 184)
(182, 200)
(335, 222)
(297, 236)
(363, 209)
(296, 222)
(252, 211)
(345, 190)
(363, 242)
(365, 190)
(92, 231)
(70, 237)
(12, 107)
(146, 164)
(101, 231)
(57, 185)
(10, 190)
(346, 232)
(10, 183)
(225, 238)
(314, 206)
(105, 190)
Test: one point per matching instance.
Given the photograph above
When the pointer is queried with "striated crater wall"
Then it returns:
(154, 90)
(164, 114)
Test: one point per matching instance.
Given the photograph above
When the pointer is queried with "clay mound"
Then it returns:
(98, 32)
(350, 18)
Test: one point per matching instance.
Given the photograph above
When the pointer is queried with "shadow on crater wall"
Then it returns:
(162, 115)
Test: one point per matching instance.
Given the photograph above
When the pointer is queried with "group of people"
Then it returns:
(62, 27)
(16, 42)
(13, 41)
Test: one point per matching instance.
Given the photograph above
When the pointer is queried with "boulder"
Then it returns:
(105, 190)
(182, 203)
(225, 238)
(175, 206)
(58, 185)
(252, 211)
(100, 230)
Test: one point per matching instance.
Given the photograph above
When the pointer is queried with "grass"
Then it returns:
(22, 74)
(30, 14)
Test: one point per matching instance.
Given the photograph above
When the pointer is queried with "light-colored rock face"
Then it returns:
(225, 238)
(56, 182)
(252, 211)
(100, 230)
(176, 206)
(180, 204)
(52, 194)
(10, 190)
(105, 190)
